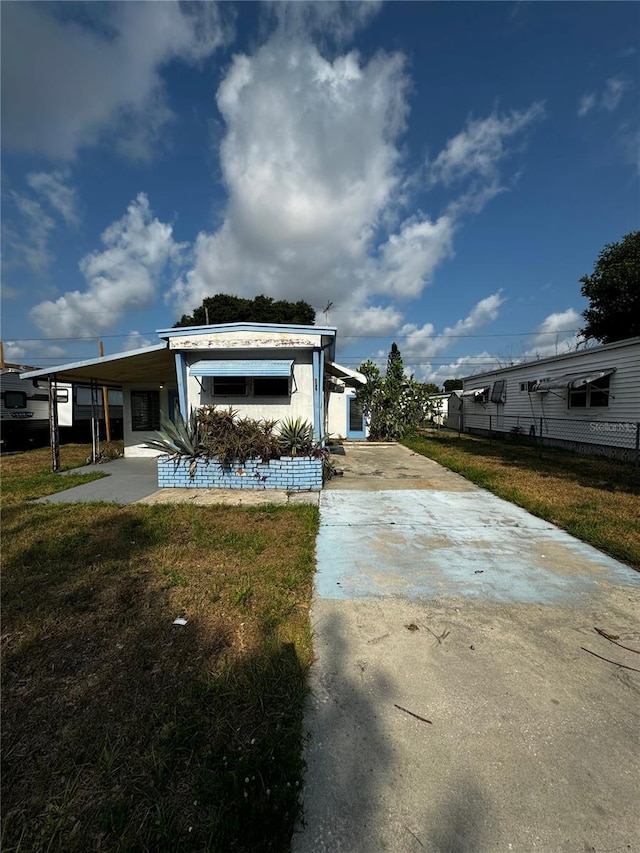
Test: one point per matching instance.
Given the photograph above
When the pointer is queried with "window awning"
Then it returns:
(474, 392)
(348, 376)
(242, 367)
(572, 380)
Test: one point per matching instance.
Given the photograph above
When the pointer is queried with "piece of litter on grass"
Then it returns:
(479, 571)
(180, 621)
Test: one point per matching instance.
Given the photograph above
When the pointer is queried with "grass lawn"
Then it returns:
(595, 499)
(121, 730)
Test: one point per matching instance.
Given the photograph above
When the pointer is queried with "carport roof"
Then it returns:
(154, 364)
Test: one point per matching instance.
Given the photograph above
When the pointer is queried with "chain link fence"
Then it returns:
(616, 439)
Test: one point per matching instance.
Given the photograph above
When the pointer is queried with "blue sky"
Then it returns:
(443, 173)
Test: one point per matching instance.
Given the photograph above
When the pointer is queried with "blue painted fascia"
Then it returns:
(181, 374)
(326, 331)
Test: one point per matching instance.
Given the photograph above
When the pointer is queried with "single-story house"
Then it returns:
(588, 399)
(261, 370)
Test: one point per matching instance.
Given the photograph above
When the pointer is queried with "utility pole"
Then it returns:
(1, 356)
(105, 402)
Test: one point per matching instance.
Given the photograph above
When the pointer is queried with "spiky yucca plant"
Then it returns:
(296, 437)
(179, 439)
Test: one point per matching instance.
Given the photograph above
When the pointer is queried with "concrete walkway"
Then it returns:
(453, 706)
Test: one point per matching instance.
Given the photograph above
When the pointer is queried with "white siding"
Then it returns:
(528, 408)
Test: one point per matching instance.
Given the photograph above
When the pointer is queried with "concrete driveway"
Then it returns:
(454, 707)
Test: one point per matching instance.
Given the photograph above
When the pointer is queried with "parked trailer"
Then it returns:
(24, 410)
(88, 403)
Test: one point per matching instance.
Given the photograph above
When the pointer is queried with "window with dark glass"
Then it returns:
(145, 410)
(270, 386)
(229, 386)
(15, 400)
(61, 395)
(594, 395)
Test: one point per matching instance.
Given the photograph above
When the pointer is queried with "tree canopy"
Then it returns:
(613, 291)
(224, 308)
(450, 385)
(395, 404)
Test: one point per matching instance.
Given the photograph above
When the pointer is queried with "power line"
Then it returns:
(440, 336)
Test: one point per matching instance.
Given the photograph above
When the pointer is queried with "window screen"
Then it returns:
(145, 410)
(594, 395)
(270, 386)
(229, 386)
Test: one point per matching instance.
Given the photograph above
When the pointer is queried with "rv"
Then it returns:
(24, 409)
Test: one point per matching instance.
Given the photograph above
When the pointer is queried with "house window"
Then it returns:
(15, 400)
(145, 410)
(593, 395)
(229, 386)
(527, 386)
(270, 386)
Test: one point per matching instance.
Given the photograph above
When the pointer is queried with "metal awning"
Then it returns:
(572, 380)
(348, 376)
(242, 367)
(474, 392)
(154, 364)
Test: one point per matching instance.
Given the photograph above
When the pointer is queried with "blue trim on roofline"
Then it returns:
(183, 331)
(47, 371)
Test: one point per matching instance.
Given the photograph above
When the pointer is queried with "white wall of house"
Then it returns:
(337, 412)
(298, 404)
(531, 406)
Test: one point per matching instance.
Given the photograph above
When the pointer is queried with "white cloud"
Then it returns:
(123, 277)
(29, 240)
(136, 341)
(66, 83)
(614, 89)
(22, 351)
(477, 151)
(52, 187)
(608, 99)
(555, 335)
(421, 344)
(337, 19)
(311, 161)
(587, 103)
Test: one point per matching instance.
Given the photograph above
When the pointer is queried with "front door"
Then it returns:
(355, 419)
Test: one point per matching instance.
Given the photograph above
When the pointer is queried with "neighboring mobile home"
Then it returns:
(260, 370)
(588, 399)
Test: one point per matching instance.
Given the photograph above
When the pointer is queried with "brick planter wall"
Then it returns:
(298, 474)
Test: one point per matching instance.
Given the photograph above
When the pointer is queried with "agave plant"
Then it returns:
(179, 439)
(296, 437)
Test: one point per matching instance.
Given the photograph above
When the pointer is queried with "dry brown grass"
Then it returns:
(595, 499)
(123, 731)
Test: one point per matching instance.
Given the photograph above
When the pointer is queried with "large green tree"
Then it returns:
(395, 404)
(224, 308)
(452, 385)
(613, 291)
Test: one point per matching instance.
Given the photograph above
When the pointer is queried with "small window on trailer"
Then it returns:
(15, 400)
(528, 386)
(61, 395)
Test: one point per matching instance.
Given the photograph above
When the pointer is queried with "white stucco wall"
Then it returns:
(299, 404)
